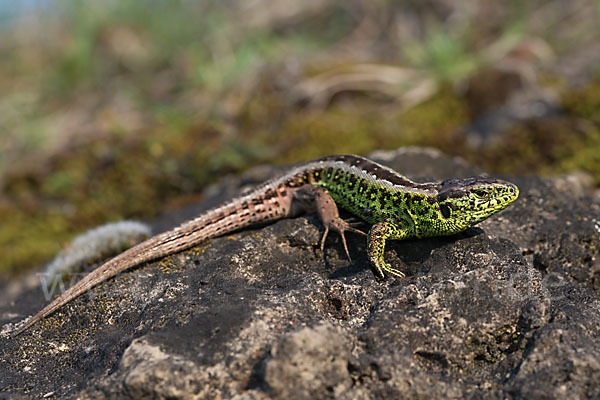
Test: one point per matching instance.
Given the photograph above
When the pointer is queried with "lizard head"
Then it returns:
(464, 202)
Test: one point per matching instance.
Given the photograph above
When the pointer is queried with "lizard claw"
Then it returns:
(352, 222)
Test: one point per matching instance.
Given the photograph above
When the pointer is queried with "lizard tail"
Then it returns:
(237, 214)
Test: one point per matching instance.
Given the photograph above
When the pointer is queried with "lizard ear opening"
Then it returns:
(445, 211)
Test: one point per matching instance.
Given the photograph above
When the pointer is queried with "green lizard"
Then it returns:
(397, 207)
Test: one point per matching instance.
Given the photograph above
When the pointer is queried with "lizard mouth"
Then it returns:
(486, 207)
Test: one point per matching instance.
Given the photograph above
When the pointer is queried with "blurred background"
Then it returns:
(120, 109)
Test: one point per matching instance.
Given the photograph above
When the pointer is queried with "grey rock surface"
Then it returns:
(508, 309)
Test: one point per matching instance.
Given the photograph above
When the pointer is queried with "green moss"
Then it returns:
(309, 135)
(552, 145)
(366, 126)
(30, 238)
(585, 157)
(435, 123)
(104, 182)
(584, 102)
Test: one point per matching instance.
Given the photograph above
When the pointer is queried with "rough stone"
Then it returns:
(508, 309)
(309, 363)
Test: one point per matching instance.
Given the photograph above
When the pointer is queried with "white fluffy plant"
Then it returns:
(95, 244)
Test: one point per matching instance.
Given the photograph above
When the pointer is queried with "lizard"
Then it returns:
(395, 206)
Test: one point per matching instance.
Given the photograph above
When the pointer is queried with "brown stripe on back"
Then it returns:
(377, 170)
(270, 193)
(297, 181)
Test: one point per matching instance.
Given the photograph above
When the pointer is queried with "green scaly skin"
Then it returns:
(405, 209)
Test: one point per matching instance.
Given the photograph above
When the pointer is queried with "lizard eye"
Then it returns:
(479, 193)
(445, 210)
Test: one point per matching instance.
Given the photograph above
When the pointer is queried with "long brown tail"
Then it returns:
(105, 271)
(232, 216)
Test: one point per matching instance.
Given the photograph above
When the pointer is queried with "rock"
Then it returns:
(507, 309)
(308, 363)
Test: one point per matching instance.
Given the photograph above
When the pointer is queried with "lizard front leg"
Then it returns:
(316, 198)
(376, 247)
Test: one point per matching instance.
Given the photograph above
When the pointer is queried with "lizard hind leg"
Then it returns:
(341, 227)
(317, 198)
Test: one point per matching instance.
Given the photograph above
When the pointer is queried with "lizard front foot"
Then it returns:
(376, 246)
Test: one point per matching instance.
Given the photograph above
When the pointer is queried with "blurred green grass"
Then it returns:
(122, 109)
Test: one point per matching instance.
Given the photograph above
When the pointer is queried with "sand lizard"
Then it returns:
(397, 208)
